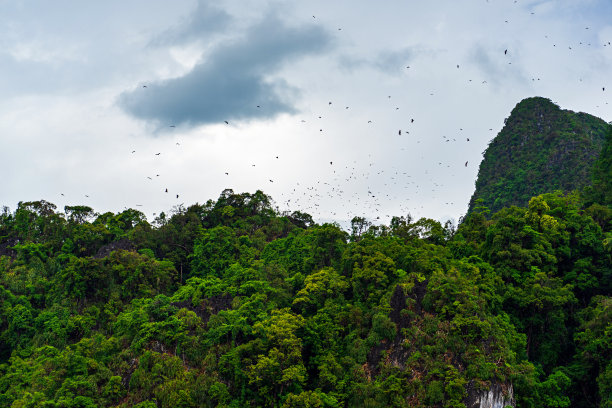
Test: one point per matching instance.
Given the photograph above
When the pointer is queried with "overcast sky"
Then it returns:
(108, 104)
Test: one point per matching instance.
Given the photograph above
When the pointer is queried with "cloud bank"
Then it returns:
(236, 80)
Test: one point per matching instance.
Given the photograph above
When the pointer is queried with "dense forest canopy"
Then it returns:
(231, 303)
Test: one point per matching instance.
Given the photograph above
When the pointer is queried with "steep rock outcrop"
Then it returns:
(498, 396)
(540, 149)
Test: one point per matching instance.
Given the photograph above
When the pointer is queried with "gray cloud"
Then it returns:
(233, 80)
(201, 23)
(390, 62)
(497, 67)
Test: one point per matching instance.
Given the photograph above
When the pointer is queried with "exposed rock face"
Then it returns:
(498, 396)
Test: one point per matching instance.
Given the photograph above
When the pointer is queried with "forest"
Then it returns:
(541, 148)
(232, 303)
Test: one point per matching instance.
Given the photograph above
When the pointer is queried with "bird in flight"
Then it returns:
(157, 154)
(466, 164)
(226, 122)
(505, 52)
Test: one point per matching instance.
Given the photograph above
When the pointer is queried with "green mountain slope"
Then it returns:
(541, 148)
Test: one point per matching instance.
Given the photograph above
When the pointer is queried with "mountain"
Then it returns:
(541, 148)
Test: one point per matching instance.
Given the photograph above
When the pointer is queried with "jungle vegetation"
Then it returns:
(232, 303)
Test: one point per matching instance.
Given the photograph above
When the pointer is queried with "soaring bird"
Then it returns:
(505, 52)
(177, 196)
(157, 154)
(226, 122)
(166, 190)
(466, 164)
(399, 132)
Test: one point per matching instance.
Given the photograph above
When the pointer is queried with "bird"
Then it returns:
(226, 173)
(133, 151)
(466, 164)
(399, 132)
(177, 196)
(166, 190)
(411, 120)
(226, 122)
(331, 162)
(172, 126)
(505, 52)
(271, 181)
(157, 154)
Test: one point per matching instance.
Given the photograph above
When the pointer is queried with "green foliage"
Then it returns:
(540, 149)
(232, 304)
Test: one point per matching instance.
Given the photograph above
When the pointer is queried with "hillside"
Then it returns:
(540, 149)
(232, 304)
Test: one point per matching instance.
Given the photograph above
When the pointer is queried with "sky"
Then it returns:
(337, 108)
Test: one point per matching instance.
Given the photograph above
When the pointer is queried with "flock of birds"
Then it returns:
(352, 187)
